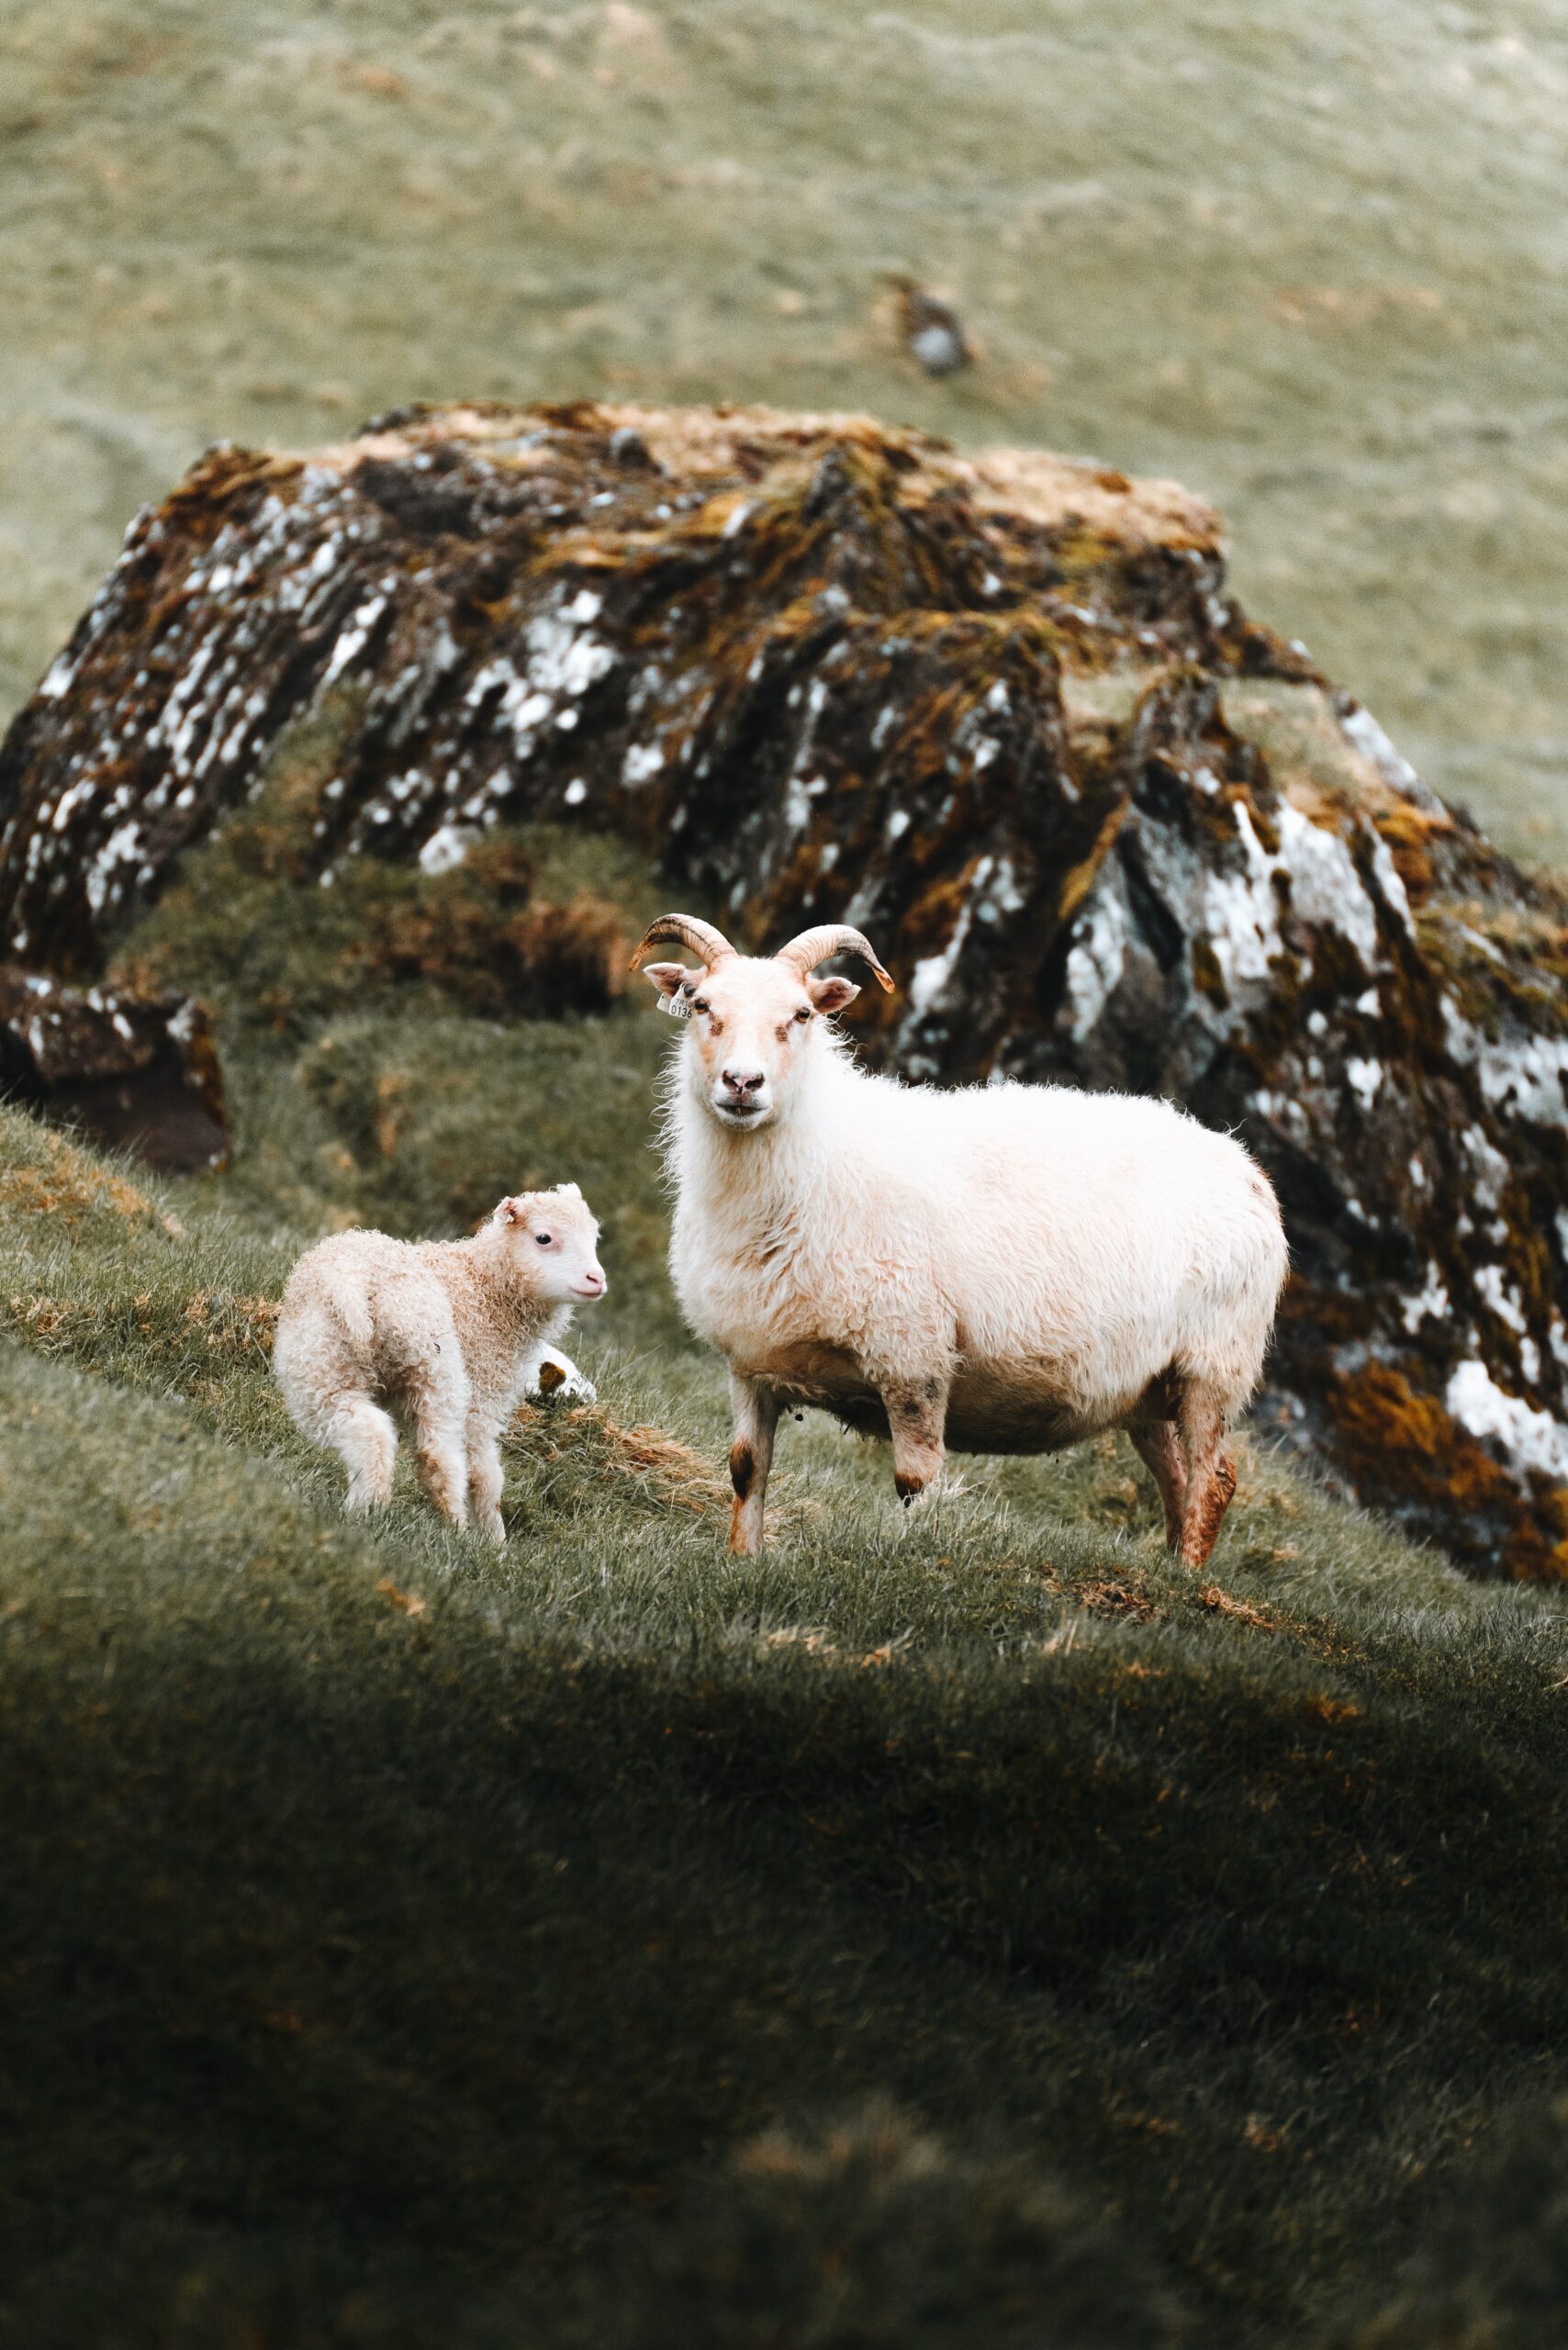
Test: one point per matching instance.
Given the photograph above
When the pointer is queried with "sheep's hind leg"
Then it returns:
(1211, 1475)
(917, 1415)
(755, 1412)
(1158, 1446)
(366, 1441)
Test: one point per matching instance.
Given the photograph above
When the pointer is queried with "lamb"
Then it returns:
(448, 1333)
(1000, 1268)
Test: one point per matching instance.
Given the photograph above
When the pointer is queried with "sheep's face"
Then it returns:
(554, 1238)
(750, 1033)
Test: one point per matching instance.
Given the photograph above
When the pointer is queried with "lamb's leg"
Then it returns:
(485, 1478)
(1158, 1446)
(439, 1399)
(917, 1415)
(755, 1410)
(1210, 1474)
(364, 1440)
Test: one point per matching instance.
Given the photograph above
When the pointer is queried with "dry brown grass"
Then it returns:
(1220, 1603)
(63, 1181)
(670, 1473)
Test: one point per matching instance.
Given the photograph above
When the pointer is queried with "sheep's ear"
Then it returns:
(669, 979)
(832, 995)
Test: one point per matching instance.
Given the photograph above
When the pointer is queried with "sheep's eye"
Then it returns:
(542, 1238)
(804, 1012)
(701, 1004)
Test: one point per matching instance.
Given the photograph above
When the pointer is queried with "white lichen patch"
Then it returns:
(1097, 956)
(447, 847)
(1531, 1439)
(1528, 1075)
(562, 658)
(798, 797)
(1431, 1303)
(1365, 735)
(641, 763)
(994, 892)
(1364, 1078)
(1504, 1299)
(1241, 912)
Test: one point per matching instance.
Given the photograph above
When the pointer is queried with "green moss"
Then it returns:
(1207, 977)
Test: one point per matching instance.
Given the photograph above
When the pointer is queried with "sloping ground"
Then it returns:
(1311, 261)
(1001, 712)
(956, 1928)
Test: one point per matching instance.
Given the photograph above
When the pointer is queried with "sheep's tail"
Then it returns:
(347, 1304)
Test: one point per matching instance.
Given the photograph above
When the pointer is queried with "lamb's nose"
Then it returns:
(741, 1080)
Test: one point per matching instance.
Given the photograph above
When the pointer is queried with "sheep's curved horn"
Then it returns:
(814, 947)
(700, 937)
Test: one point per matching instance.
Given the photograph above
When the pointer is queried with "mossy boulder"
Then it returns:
(998, 711)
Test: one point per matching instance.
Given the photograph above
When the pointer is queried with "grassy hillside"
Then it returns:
(1311, 261)
(953, 1928)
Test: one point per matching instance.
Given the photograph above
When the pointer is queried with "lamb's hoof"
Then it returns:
(494, 1529)
(551, 1376)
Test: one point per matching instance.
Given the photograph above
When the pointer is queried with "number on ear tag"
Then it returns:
(678, 1005)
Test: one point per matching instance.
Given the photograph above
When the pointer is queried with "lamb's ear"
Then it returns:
(669, 979)
(510, 1212)
(832, 995)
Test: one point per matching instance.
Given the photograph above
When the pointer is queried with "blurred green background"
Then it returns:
(1313, 262)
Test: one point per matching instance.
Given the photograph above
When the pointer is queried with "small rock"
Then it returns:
(136, 1072)
(932, 332)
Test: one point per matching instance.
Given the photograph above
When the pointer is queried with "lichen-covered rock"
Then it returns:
(136, 1072)
(998, 710)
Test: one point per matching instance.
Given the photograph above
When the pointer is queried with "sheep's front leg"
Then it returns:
(485, 1477)
(917, 1415)
(756, 1410)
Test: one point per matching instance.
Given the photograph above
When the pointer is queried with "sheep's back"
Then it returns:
(382, 1310)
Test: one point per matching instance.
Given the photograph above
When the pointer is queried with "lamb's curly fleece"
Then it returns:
(448, 1334)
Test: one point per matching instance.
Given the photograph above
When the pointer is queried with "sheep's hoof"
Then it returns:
(494, 1529)
(908, 1489)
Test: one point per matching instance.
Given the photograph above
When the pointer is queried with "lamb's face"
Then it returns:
(554, 1237)
(750, 1033)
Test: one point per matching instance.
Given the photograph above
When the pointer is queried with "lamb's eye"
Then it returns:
(804, 1012)
(543, 1240)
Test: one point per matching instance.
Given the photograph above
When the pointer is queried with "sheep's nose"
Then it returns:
(742, 1081)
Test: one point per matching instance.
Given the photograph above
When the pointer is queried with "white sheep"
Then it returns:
(449, 1333)
(1000, 1268)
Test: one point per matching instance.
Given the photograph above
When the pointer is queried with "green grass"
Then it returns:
(955, 1927)
(959, 1928)
(1310, 262)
